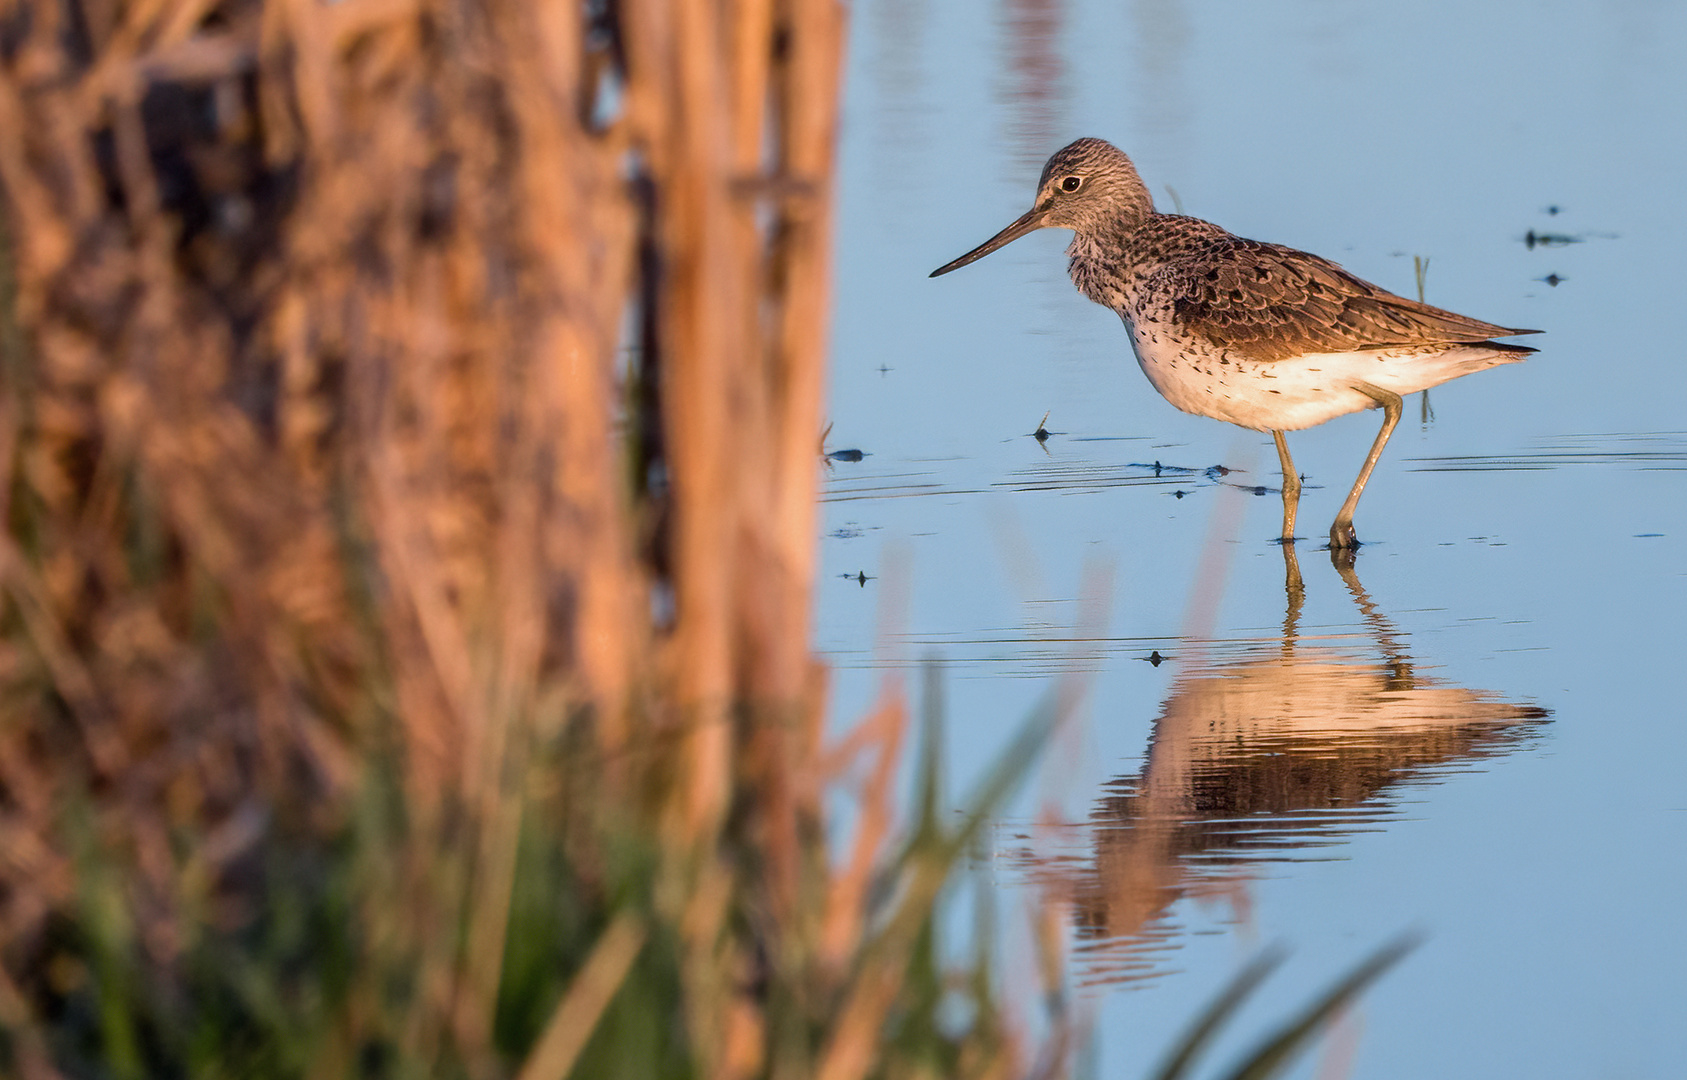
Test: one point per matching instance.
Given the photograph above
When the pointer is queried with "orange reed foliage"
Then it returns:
(427, 374)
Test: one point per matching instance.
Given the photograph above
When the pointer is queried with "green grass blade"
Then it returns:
(1230, 999)
(1279, 1050)
(935, 849)
(1011, 768)
(929, 793)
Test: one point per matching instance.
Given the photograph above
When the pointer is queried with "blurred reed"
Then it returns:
(408, 414)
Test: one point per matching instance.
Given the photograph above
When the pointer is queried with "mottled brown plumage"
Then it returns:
(1255, 334)
(1271, 302)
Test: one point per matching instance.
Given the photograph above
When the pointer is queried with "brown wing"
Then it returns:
(1270, 302)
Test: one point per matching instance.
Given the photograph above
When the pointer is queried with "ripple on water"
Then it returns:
(1650, 451)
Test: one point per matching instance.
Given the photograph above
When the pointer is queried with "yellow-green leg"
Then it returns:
(1291, 487)
(1341, 533)
(1295, 587)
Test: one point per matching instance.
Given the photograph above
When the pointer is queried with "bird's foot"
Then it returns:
(1343, 537)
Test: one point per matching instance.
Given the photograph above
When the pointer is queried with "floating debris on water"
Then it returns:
(837, 455)
(1161, 469)
(1533, 239)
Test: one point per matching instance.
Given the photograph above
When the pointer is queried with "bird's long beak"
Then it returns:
(1031, 221)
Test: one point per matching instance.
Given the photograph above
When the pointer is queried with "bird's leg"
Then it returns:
(1341, 533)
(1295, 588)
(1291, 487)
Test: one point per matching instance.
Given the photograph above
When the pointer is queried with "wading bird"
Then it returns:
(1256, 334)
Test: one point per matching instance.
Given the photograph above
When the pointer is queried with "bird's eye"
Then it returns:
(1071, 183)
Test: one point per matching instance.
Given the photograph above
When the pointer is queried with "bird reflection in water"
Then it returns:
(1265, 754)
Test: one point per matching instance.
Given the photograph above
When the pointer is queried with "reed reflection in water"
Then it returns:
(1265, 751)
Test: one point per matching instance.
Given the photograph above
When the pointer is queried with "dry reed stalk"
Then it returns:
(429, 330)
(577, 1013)
(737, 382)
(845, 904)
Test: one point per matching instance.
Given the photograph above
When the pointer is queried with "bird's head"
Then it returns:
(1088, 186)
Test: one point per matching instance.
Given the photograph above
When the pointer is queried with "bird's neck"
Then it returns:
(1104, 260)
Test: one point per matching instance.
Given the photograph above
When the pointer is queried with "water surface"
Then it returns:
(1477, 730)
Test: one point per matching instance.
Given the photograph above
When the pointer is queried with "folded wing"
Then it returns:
(1270, 302)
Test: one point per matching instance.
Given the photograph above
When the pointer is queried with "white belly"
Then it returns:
(1297, 392)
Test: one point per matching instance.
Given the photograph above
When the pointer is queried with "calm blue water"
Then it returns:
(1481, 733)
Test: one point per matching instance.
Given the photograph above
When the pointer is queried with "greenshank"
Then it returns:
(1259, 335)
